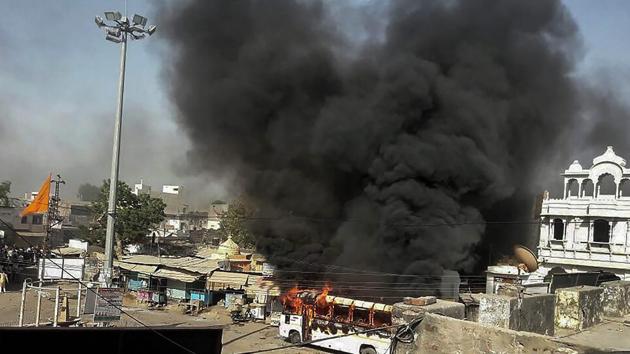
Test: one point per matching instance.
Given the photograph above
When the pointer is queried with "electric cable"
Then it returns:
(319, 340)
(97, 294)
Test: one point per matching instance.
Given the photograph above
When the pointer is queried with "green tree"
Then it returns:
(135, 215)
(88, 192)
(5, 189)
(234, 222)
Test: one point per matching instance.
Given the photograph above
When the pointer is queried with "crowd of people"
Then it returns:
(9, 254)
(13, 260)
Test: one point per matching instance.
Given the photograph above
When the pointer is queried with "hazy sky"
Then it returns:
(58, 80)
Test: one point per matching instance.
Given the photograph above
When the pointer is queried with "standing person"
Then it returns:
(4, 280)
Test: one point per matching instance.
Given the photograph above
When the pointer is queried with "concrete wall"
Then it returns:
(403, 313)
(440, 334)
(578, 307)
(616, 298)
(531, 313)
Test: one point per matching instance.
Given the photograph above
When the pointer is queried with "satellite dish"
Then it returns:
(526, 256)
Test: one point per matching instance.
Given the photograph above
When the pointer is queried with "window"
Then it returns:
(587, 188)
(624, 188)
(361, 316)
(601, 231)
(558, 229)
(382, 318)
(287, 319)
(38, 219)
(572, 188)
(341, 313)
(606, 185)
(24, 220)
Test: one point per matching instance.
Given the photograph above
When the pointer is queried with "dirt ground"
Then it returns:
(612, 334)
(236, 338)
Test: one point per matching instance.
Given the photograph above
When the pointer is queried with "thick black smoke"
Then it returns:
(357, 153)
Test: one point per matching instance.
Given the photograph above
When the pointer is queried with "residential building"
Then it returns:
(141, 188)
(75, 214)
(588, 228)
(170, 189)
(217, 208)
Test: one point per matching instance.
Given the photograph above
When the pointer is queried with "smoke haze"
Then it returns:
(355, 140)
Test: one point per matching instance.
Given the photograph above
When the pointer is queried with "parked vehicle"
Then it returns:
(353, 326)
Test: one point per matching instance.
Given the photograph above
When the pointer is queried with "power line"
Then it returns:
(325, 339)
(366, 221)
(382, 274)
(355, 270)
(99, 295)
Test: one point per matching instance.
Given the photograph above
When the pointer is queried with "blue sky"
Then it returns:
(58, 80)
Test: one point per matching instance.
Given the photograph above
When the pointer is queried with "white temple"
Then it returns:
(588, 229)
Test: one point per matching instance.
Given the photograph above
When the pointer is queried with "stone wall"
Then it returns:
(440, 334)
(531, 313)
(616, 298)
(403, 313)
(578, 307)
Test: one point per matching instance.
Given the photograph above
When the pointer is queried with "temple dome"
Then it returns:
(229, 247)
(609, 156)
(575, 166)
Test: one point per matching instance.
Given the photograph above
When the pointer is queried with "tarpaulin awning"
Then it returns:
(229, 278)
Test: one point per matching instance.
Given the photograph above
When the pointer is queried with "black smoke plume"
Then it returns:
(357, 153)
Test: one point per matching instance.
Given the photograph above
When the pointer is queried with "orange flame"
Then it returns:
(321, 298)
(291, 301)
(294, 302)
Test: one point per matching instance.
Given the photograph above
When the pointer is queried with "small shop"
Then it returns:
(179, 284)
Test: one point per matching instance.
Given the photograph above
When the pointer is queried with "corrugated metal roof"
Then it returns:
(208, 252)
(254, 279)
(191, 264)
(141, 259)
(140, 268)
(262, 287)
(231, 278)
(67, 251)
(176, 275)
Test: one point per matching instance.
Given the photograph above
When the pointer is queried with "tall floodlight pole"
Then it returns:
(118, 32)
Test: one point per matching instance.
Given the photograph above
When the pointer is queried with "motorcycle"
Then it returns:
(240, 317)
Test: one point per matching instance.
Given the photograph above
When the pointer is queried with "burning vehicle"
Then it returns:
(352, 326)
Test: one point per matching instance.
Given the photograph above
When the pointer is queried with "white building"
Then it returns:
(141, 188)
(217, 208)
(168, 189)
(588, 229)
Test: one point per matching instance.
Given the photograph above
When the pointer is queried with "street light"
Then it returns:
(117, 32)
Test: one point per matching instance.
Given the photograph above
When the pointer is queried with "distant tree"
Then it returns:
(136, 215)
(87, 234)
(5, 189)
(88, 192)
(234, 222)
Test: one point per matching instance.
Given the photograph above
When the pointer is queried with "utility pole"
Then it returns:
(53, 218)
(118, 32)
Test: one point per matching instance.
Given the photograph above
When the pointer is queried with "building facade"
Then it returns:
(588, 228)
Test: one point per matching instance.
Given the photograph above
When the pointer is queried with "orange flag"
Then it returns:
(39, 205)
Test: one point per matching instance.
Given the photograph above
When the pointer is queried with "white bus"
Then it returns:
(312, 317)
